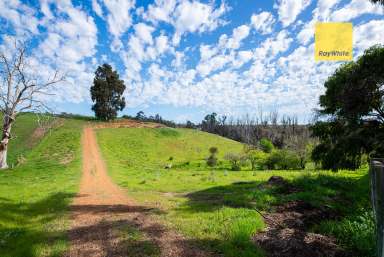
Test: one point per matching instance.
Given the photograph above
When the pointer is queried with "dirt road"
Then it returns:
(105, 222)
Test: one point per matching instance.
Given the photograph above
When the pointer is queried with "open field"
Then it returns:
(34, 196)
(214, 209)
(217, 208)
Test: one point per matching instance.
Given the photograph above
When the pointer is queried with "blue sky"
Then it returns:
(186, 58)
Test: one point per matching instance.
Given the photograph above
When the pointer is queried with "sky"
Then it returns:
(184, 59)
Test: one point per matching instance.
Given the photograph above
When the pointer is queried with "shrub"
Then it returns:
(257, 158)
(283, 159)
(212, 159)
(235, 160)
(213, 150)
(266, 145)
(355, 233)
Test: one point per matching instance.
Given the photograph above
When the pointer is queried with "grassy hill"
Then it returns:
(34, 195)
(215, 207)
(22, 141)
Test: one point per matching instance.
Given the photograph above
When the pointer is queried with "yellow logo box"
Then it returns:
(333, 41)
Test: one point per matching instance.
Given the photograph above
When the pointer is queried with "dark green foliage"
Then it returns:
(106, 92)
(354, 104)
(356, 233)
(212, 159)
(283, 160)
(266, 145)
(157, 118)
(213, 150)
(190, 124)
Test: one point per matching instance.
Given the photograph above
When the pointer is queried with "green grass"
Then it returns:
(216, 208)
(21, 143)
(34, 196)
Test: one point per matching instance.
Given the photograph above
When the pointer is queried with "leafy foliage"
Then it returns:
(283, 160)
(257, 159)
(354, 104)
(266, 145)
(212, 159)
(234, 159)
(106, 92)
(140, 116)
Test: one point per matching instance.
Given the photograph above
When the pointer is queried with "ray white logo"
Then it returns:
(333, 41)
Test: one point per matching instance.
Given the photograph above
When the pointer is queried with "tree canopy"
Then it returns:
(354, 105)
(106, 92)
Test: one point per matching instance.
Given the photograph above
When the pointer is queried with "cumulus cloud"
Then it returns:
(288, 10)
(97, 8)
(70, 38)
(186, 16)
(368, 34)
(263, 22)
(144, 32)
(230, 70)
(356, 8)
(19, 16)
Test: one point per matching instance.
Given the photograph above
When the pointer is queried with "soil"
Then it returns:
(125, 123)
(102, 209)
(287, 232)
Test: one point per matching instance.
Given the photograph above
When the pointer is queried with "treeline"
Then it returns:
(282, 132)
(140, 116)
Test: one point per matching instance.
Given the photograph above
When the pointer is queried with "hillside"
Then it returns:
(164, 170)
(217, 208)
(34, 195)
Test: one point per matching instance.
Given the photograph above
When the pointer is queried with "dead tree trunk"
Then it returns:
(6, 136)
(18, 90)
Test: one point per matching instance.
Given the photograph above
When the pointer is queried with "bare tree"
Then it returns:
(19, 91)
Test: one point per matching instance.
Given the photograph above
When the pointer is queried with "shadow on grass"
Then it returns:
(345, 194)
(24, 227)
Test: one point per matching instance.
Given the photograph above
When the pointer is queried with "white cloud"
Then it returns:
(368, 34)
(119, 18)
(97, 8)
(263, 22)
(356, 8)
(144, 32)
(186, 16)
(161, 10)
(238, 35)
(288, 10)
(21, 17)
(162, 44)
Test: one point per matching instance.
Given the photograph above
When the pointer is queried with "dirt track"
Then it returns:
(102, 209)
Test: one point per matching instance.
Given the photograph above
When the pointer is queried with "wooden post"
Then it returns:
(377, 196)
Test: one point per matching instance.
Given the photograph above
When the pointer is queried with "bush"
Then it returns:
(354, 233)
(235, 160)
(257, 158)
(212, 159)
(213, 150)
(283, 159)
(266, 145)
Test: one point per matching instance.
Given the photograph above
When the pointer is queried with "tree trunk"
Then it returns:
(377, 197)
(6, 135)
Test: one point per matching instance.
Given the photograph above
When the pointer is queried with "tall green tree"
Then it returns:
(354, 105)
(107, 93)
